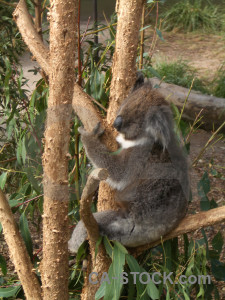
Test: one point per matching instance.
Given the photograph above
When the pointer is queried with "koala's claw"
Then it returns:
(81, 130)
(98, 130)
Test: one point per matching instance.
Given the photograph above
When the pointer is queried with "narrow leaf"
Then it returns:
(3, 265)
(9, 292)
(152, 290)
(159, 33)
(3, 178)
(26, 234)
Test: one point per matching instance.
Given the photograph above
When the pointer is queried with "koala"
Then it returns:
(149, 174)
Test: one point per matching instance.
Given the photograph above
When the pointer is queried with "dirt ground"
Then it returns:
(206, 53)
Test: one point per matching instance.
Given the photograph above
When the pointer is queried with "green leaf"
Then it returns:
(132, 263)
(9, 292)
(81, 251)
(145, 27)
(217, 242)
(32, 179)
(175, 111)
(97, 245)
(152, 290)
(218, 269)
(26, 234)
(108, 246)
(186, 297)
(18, 152)
(121, 247)
(159, 33)
(101, 291)
(3, 178)
(3, 265)
(113, 289)
(203, 189)
(23, 150)
(204, 185)
(134, 267)
(154, 72)
(13, 203)
(6, 81)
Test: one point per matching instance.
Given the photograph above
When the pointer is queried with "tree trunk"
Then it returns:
(213, 107)
(124, 59)
(54, 267)
(123, 76)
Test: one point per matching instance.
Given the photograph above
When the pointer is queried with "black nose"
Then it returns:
(118, 122)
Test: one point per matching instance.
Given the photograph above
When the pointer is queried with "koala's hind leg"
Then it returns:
(111, 224)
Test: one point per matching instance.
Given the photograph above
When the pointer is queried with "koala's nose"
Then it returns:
(118, 122)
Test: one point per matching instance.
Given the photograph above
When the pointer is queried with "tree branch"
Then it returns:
(82, 102)
(85, 204)
(30, 36)
(188, 224)
(101, 262)
(18, 251)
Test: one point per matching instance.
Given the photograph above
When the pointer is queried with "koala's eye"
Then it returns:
(118, 122)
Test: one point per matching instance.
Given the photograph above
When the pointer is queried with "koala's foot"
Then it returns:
(107, 220)
(79, 235)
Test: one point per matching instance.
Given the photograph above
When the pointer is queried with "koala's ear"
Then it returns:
(159, 124)
(139, 81)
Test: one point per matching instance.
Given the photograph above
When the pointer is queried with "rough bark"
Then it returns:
(82, 103)
(188, 224)
(85, 205)
(100, 262)
(30, 36)
(18, 252)
(37, 19)
(55, 158)
(124, 59)
(213, 107)
(129, 13)
(123, 77)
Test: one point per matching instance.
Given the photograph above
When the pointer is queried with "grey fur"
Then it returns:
(150, 175)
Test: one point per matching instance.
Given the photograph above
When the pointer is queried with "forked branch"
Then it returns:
(85, 204)
(82, 102)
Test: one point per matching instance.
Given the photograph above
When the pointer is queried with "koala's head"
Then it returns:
(144, 115)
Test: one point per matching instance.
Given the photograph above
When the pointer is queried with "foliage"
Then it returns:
(192, 15)
(180, 73)
(97, 63)
(21, 128)
(219, 83)
(11, 44)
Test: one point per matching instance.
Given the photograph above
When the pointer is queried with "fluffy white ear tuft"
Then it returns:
(159, 125)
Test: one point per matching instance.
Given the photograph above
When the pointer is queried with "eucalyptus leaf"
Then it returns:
(3, 178)
(24, 229)
(9, 292)
(3, 265)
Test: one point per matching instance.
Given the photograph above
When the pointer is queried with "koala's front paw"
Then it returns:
(82, 131)
(98, 130)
